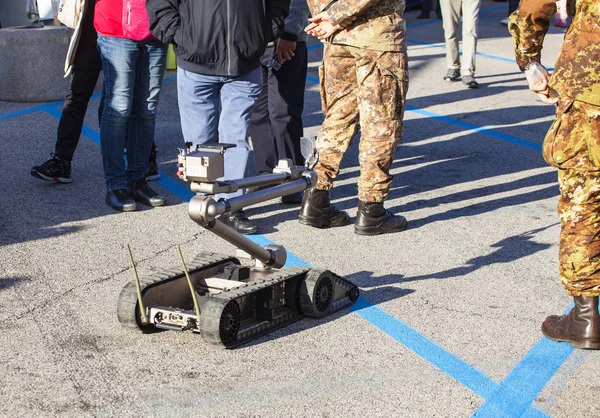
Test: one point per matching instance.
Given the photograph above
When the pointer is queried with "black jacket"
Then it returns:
(217, 37)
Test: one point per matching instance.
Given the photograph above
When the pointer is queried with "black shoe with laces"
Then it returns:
(239, 221)
(452, 75)
(54, 169)
(143, 193)
(121, 200)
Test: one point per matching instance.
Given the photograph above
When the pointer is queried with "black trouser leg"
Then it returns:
(86, 69)
(426, 6)
(286, 103)
(80, 90)
(263, 145)
(277, 115)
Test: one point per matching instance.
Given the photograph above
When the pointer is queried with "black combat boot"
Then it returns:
(580, 327)
(373, 219)
(318, 212)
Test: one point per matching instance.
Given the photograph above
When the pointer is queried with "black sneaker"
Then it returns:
(469, 81)
(54, 169)
(143, 193)
(452, 75)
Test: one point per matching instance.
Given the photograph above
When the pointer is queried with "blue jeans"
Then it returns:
(133, 72)
(217, 109)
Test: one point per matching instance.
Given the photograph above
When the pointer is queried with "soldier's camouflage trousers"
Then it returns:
(573, 145)
(367, 89)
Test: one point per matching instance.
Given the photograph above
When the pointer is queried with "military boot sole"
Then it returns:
(378, 229)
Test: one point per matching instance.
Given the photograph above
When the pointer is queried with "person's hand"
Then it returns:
(323, 16)
(285, 50)
(537, 78)
(547, 95)
(323, 30)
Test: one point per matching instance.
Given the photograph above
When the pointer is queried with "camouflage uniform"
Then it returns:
(573, 141)
(364, 79)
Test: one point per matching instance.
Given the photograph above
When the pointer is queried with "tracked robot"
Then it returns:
(232, 300)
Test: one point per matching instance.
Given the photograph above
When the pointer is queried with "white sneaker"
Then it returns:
(504, 22)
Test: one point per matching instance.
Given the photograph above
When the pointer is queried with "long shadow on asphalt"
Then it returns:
(429, 166)
(506, 251)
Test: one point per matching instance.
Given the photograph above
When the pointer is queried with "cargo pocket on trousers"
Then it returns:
(322, 89)
(590, 131)
(559, 147)
(391, 94)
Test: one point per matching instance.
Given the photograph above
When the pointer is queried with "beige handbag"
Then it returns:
(70, 12)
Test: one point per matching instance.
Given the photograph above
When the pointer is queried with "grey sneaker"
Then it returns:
(452, 75)
(54, 169)
(469, 81)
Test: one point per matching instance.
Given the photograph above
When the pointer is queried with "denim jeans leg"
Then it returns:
(198, 99)
(149, 74)
(238, 95)
(119, 57)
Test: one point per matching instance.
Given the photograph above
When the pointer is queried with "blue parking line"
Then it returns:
(447, 362)
(520, 388)
(22, 112)
(465, 125)
(479, 54)
(86, 130)
(493, 9)
(442, 46)
(474, 128)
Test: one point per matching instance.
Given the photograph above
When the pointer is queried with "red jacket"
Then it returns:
(123, 19)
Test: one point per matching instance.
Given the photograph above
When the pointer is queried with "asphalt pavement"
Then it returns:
(448, 323)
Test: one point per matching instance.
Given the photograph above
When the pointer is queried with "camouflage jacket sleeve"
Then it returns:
(528, 26)
(343, 9)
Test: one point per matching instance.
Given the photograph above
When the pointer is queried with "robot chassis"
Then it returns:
(229, 303)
